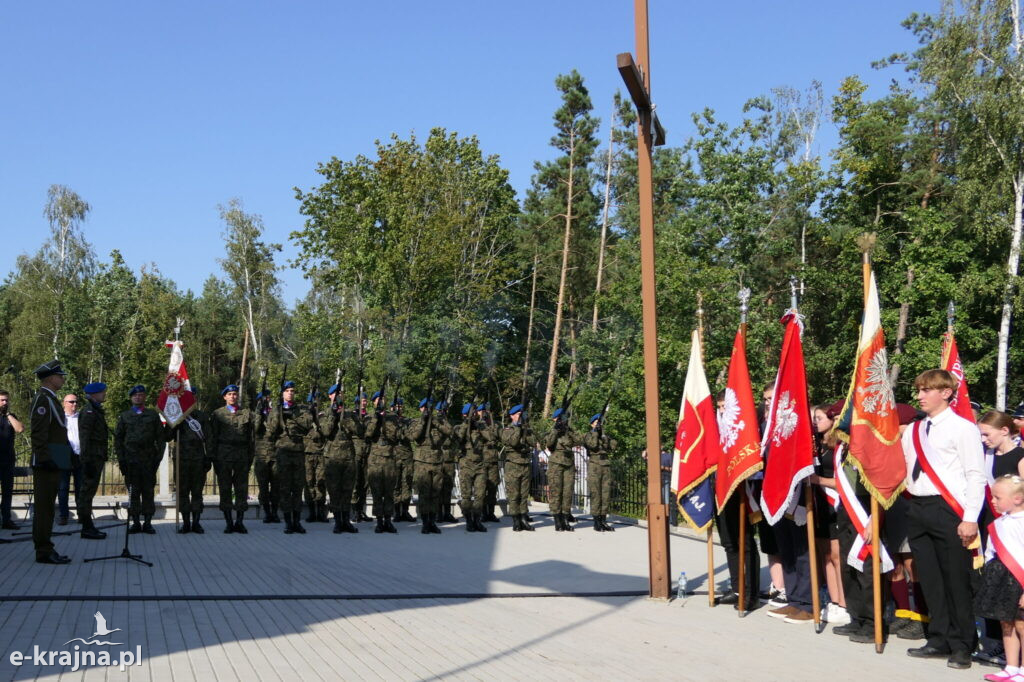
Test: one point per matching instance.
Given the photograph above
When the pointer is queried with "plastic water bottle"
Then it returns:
(681, 587)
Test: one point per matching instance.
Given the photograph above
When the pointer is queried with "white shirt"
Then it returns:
(72, 420)
(956, 443)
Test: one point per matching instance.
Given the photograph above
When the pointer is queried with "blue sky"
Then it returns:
(157, 112)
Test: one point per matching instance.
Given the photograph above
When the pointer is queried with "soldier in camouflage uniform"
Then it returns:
(492, 451)
(560, 441)
(232, 445)
(316, 486)
(599, 472)
(139, 439)
(384, 432)
(363, 454)
(289, 427)
(343, 432)
(428, 433)
(518, 440)
(94, 436)
(472, 484)
(265, 461)
(51, 453)
(404, 466)
(192, 436)
(452, 452)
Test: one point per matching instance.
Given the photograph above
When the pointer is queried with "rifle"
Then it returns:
(430, 404)
(338, 392)
(608, 401)
(567, 399)
(284, 378)
(262, 398)
(314, 392)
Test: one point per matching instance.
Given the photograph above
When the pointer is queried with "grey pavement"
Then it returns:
(269, 606)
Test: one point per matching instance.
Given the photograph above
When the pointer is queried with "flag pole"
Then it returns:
(177, 450)
(812, 550)
(711, 540)
(744, 297)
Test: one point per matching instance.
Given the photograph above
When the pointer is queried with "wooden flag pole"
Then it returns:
(744, 297)
(711, 538)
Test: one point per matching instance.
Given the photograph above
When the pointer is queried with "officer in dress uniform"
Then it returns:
(51, 454)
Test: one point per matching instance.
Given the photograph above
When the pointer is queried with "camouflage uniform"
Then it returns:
(518, 440)
(599, 474)
(384, 432)
(139, 439)
(491, 434)
(452, 452)
(94, 436)
(341, 464)
(49, 432)
(362, 458)
(316, 486)
(265, 467)
(428, 463)
(472, 482)
(194, 464)
(561, 472)
(404, 466)
(289, 427)
(232, 445)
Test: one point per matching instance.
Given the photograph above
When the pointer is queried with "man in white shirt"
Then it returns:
(946, 481)
(70, 405)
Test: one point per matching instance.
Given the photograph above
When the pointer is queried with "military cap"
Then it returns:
(975, 406)
(558, 413)
(361, 396)
(375, 395)
(595, 418)
(138, 388)
(441, 406)
(1018, 412)
(424, 402)
(397, 401)
(483, 406)
(94, 387)
(333, 389)
(515, 409)
(48, 369)
(229, 388)
(288, 384)
(467, 408)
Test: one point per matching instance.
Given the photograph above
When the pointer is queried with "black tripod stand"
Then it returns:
(125, 554)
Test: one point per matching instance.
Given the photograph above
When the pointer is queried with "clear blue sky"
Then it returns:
(157, 112)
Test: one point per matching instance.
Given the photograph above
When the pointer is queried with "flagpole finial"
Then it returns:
(179, 323)
(744, 297)
(950, 314)
(866, 242)
(793, 301)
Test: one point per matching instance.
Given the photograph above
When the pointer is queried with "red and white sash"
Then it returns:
(1006, 536)
(861, 549)
(990, 463)
(923, 449)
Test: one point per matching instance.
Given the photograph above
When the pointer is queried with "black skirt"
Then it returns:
(998, 596)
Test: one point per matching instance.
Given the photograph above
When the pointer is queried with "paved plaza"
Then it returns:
(500, 605)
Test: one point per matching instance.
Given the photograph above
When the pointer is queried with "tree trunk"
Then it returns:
(529, 325)
(1012, 266)
(604, 235)
(901, 330)
(572, 339)
(553, 363)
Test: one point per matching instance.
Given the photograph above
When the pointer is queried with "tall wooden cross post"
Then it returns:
(637, 76)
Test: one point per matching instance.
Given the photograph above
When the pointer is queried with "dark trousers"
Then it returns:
(44, 482)
(728, 523)
(6, 487)
(796, 562)
(64, 490)
(944, 570)
(858, 586)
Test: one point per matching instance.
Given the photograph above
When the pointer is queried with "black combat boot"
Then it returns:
(136, 527)
(425, 521)
(297, 523)
(388, 525)
(489, 517)
(321, 512)
(480, 527)
(448, 518)
(470, 523)
(289, 525)
(311, 516)
(196, 528)
(91, 532)
(517, 523)
(147, 525)
(433, 525)
(559, 523)
(229, 523)
(346, 523)
(380, 525)
(267, 514)
(338, 528)
(274, 518)
(406, 516)
(186, 524)
(597, 524)
(239, 526)
(524, 522)
(604, 522)
(569, 518)
(566, 523)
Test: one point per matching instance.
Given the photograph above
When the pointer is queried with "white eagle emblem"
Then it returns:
(729, 423)
(878, 397)
(785, 419)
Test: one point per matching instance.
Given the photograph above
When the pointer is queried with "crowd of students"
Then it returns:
(952, 543)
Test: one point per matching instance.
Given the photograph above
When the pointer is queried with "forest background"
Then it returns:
(425, 267)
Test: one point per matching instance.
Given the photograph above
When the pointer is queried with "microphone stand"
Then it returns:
(125, 554)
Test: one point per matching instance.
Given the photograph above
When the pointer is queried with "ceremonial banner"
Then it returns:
(176, 400)
(788, 430)
(961, 402)
(874, 424)
(697, 450)
(737, 427)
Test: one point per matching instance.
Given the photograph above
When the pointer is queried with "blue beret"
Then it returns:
(595, 418)
(229, 388)
(423, 403)
(356, 401)
(397, 401)
(95, 387)
(467, 408)
(375, 395)
(483, 406)
(558, 413)
(288, 384)
(515, 409)
(263, 394)
(136, 389)
(441, 406)
(332, 389)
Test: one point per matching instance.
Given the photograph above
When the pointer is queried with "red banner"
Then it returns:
(737, 427)
(961, 402)
(176, 399)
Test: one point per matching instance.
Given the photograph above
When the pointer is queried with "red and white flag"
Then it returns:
(788, 431)
(697, 449)
(176, 399)
(737, 427)
(874, 425)
(961, 401)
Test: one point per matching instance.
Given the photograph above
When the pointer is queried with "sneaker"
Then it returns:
(782, 612)
(778, 600)
(1001, 676)
(799, 616)
(838, 615)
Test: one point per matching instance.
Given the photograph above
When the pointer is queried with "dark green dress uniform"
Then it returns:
(192, 436)
(265, 466)
(290, 424)
(428, 462)
(51, 453)
(491, 434)
(233, 447)
(599, 475)
(341, 466)
(384, 432)
(360, 489)
(519, 442)
(94, 436)
(472, 482)
(403, 480)
(561, 473)
(139, 439)
(315, 488)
